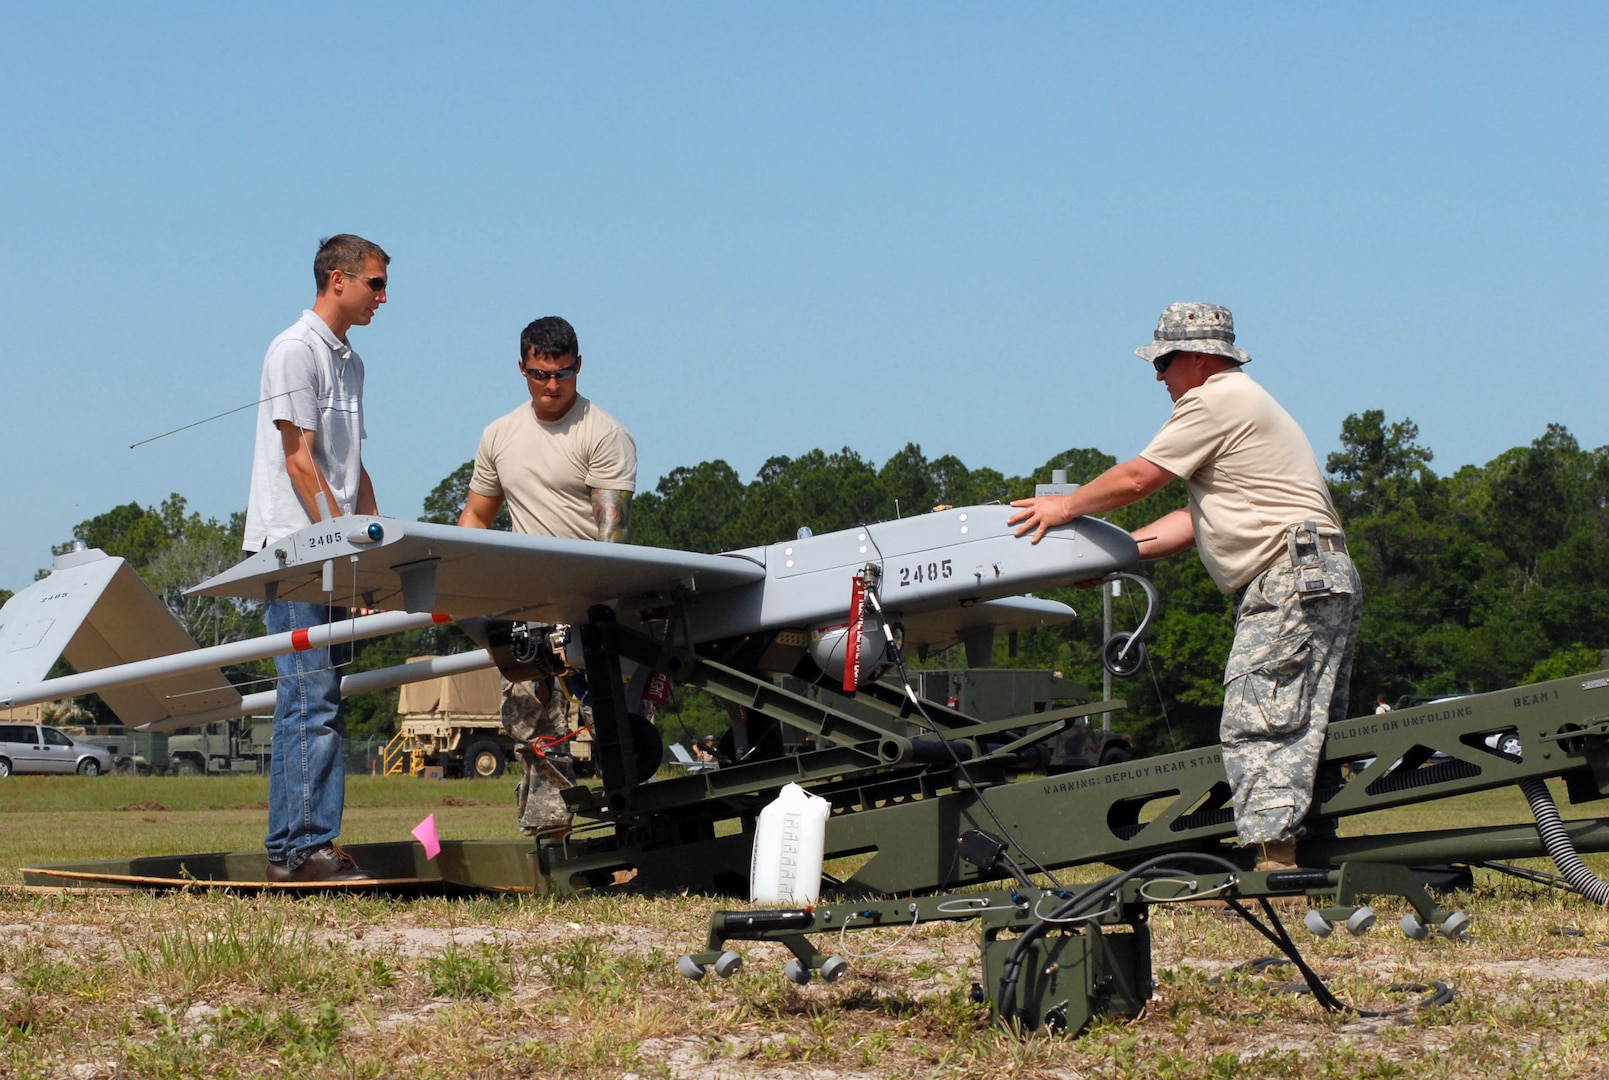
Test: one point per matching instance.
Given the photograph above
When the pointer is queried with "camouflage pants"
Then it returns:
(532, 710)
(1286, 681)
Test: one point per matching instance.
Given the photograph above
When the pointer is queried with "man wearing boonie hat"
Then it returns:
(1261, 518)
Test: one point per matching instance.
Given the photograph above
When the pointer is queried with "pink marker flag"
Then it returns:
(425, 831)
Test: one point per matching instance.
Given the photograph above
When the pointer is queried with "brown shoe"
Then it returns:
(326, 866)
(1277, 855)
(1281, 855)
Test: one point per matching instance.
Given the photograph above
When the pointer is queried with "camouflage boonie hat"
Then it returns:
(1192, 327)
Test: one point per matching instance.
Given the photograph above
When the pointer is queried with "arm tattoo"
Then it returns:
(612, 511)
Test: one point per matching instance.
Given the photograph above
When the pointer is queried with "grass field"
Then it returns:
(46, 819)
(107, 984)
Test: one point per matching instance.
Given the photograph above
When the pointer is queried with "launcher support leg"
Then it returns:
(612, 744)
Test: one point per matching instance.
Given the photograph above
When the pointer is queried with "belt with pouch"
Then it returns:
(1302, 545)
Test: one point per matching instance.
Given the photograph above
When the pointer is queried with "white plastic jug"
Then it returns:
(788, 842)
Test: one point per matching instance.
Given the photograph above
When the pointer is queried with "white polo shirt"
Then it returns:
(315, 380)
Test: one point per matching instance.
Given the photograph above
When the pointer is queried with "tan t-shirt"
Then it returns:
(1251, 473)
(548, 470)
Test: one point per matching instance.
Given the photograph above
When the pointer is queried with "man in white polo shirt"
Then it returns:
(1261, 518)
(307, 467)
(565, 468)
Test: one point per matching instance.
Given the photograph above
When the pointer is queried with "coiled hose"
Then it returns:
(1551, 828)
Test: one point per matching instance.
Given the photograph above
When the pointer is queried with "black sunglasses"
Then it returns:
(375, 284)
(543, 375)
(1161, 363)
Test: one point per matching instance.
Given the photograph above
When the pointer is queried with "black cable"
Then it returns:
(1439, 992)
(1321, 992)
(1016, 871)
(675, 710)
(1524, 873)
(1282, 941)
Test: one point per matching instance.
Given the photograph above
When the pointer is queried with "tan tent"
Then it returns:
(469, 693)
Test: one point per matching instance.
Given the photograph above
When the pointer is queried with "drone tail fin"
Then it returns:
(94, 610)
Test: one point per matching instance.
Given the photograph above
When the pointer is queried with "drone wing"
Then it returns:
(374, 562)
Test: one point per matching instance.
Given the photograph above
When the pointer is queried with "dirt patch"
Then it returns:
(414, 940)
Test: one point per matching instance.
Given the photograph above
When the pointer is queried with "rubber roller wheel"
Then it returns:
(1361, 921)
(1123, 665)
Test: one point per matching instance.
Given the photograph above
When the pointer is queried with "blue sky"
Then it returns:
(781, 227)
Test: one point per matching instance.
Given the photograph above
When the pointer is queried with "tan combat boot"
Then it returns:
(1281, 855)
(1277, 855)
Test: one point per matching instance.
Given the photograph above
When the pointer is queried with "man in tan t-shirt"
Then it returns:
(1261, 518)
(565, 468)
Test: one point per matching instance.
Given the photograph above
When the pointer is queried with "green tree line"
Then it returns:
(1494, 576)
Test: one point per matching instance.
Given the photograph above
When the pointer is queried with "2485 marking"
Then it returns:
(931, 571)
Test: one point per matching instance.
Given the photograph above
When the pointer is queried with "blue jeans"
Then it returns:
(306, 775)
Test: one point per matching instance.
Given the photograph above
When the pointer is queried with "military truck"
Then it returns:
(452, 726)
(449, 726)
(226, 747)
(233, 746)
(134, 753)
(241, 745)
